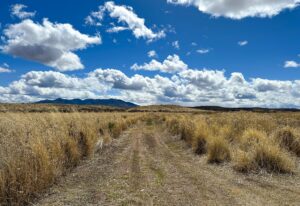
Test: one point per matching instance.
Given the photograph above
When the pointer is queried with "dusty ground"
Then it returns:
(147, 166)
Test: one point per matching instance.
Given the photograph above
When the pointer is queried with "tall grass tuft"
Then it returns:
(218, 150)
(245, 138)
(289, 138)
(260, 152)
(200, 138)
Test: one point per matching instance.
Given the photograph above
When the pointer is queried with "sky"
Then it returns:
(186, 52)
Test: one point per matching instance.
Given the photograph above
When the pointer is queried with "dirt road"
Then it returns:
(147, 166)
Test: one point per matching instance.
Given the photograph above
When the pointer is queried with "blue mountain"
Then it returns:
(102, 102)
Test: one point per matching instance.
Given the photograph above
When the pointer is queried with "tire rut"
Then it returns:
(182, 182)
(148, 166)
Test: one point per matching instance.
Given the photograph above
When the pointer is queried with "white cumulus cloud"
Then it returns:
(171, 64)
(188, 86)
(239, 9)
(126, 16)
(52, 44)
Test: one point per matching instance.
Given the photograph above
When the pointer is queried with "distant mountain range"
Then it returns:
(123, 104)
(102, 102)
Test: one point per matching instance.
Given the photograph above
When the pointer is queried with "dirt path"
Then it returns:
(147, 166)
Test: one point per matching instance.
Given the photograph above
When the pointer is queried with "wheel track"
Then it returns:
(148, 166)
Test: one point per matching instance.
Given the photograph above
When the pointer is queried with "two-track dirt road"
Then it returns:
(147, 166)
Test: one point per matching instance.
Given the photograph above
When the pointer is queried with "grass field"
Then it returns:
(251, 141)
(38, 148)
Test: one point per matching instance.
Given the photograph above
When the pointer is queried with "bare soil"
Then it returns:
(148, 166)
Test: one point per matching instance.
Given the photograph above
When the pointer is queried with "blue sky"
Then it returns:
(203, 53)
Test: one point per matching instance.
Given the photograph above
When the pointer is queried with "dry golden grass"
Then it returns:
(262, 152)
(250, 140)
(36, 148)
(289, 138)
(200, 137)
(218, 150)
